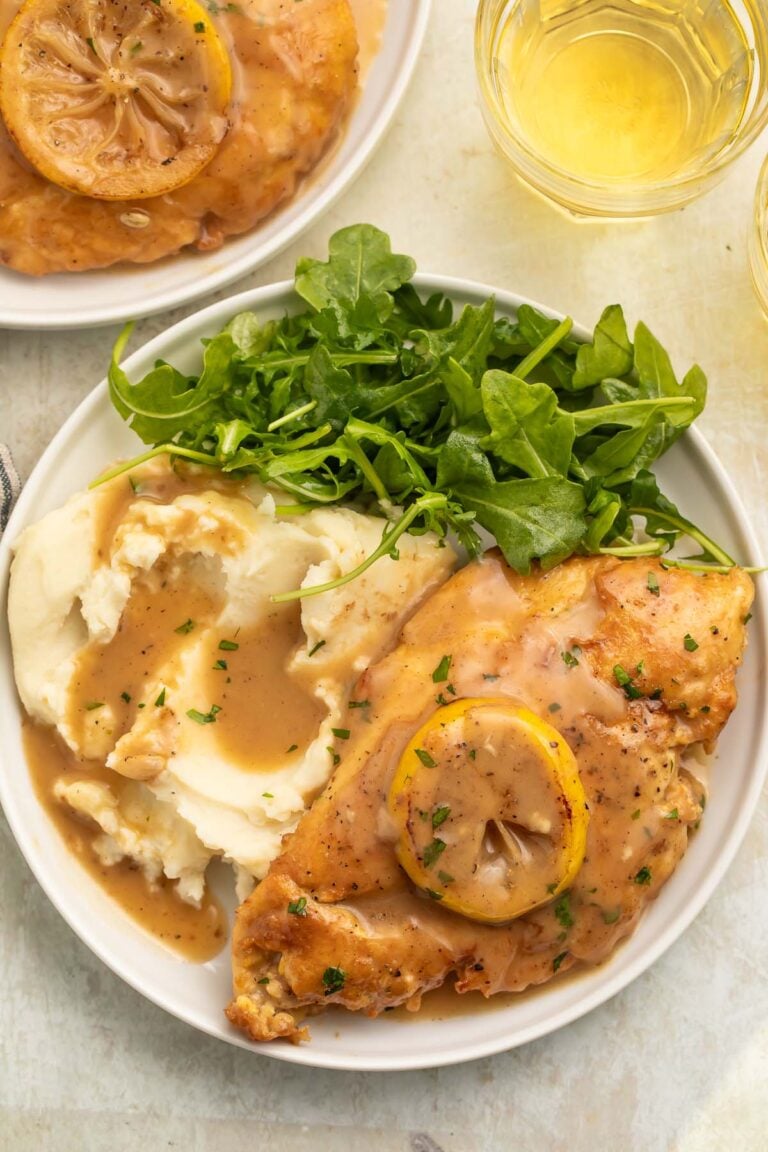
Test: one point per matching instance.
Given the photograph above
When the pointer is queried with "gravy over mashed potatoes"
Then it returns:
(143, 632)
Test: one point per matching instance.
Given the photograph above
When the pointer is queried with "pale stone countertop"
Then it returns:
(677, 1061)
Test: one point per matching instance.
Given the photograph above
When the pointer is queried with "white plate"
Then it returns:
(69, 300)
(93, 437)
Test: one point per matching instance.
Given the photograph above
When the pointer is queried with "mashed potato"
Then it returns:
(143, 630)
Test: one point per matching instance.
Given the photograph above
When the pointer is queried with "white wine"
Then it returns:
(627, 93)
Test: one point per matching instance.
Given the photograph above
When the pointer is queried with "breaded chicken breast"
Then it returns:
(337, 921)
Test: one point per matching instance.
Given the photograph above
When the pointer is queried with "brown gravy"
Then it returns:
(264, 712)
(113, 677)
(197, 934)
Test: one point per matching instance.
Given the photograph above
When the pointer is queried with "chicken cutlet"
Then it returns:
(295, 73)
(629, 662)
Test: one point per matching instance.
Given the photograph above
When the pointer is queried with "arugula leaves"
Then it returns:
(438, 423)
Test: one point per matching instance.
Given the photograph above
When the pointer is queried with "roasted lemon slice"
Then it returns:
(490, 810)
(115, 99)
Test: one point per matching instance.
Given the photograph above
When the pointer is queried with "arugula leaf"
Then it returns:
(609, 354)
(531, 519)
(361, 263)
(527, 428)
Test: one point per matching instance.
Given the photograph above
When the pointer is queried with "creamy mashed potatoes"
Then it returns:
(143, 630)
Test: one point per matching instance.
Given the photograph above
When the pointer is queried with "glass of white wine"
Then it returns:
(623, 107)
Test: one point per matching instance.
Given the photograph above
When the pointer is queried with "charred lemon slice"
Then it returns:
(490, 810)
(115, 99)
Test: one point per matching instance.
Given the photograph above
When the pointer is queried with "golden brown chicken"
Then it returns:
(630, 663)
(295, 72)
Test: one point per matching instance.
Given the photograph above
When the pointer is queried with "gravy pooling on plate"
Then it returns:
(295, 72)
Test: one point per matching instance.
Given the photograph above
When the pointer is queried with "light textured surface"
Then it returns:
(679, 1061)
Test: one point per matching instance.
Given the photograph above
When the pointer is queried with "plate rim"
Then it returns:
(307, 1054)
(165, 299)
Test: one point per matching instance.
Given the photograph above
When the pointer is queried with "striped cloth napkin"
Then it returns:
(10, 485)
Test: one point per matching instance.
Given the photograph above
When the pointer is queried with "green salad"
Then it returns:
(436, 421)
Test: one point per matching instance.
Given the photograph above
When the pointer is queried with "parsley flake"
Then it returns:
(208, 717)
(292, 748)
(341, 733)
(228, 646)
(334, 755)
(126, 696)
(334, 980)
(643, 876)
(445, 877)
(624, 680)
(611, 917)
(316, 648)
(92, 705)
(653, 587)
(440, 674)
(434, 849)
(562, 910)
(160, 699)
(558, 961)
(570, 660)
(184, 628)
(440, 815)
(673, 815)
(220, 666)
(425, 758)
(689, 643)
(359, 704)
(298, 907)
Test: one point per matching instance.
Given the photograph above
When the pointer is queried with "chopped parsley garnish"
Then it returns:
(551, 888)
(433, 895)
(220, 666)
(199, 26)
(440, 674)
(126, 696)
(441, 700)
(298, 907)
(489, 676)
(334, 755)
(746, 619)
(643, 876)
(137, 47)
(334, 980)
(705, 708)
(268, 795)
(624, 680)
(204, 717)
(635, 815)
(562, 910)
(673, 815)
(90, 43)
(264, 980)
(423, 813)
(228, 646)
(341, 733)
(425, 758)
(558, 961)
(184, 628)
(689, 643)
(472, 753)
(611, 917)
(92, 705)
(359, 704)
(554, 707)
(316, 648)
(160, 699)
(570, 660)
(653, 588)
(440, 815)
(292, 748)
(445, 877)
(432, 851)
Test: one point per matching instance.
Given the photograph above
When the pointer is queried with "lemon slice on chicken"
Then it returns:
(490, 810)
(115, 99)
